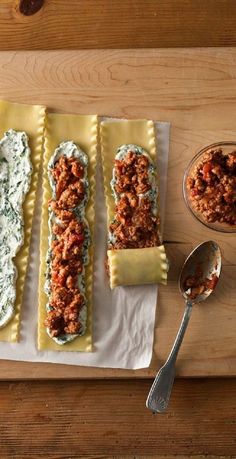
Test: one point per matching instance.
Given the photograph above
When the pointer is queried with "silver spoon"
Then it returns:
(205, 260)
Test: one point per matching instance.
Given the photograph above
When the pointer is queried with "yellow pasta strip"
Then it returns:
(28, 118)
(82, 130)
(130, 266)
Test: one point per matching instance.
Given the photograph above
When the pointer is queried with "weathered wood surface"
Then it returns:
(79, 24)
(73, 419)
(196, 91)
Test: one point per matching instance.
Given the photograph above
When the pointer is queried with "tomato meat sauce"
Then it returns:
(212, 187)
(68, 235)
(135, 223)
(196, 284)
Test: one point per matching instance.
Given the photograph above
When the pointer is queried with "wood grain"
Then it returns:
(76, 24)
(196, 91)
(109, 418)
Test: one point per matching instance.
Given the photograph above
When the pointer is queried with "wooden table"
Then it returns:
(107, 418)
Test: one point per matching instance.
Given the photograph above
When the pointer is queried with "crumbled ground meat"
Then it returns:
(66, 300)
(212, 187)
(134, 224)
(196, 285)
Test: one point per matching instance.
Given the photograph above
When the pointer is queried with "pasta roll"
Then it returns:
(135, 251)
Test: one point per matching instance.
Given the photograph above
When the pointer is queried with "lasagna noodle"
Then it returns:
(30, 119)
(130, 266)
(82, 130)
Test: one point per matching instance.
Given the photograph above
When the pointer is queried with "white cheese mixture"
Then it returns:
(15, 177)
(70, 150)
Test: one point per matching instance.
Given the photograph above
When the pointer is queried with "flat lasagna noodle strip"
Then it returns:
(30, 119)
(82, 130)
(130, 266)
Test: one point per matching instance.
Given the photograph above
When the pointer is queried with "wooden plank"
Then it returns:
(196, 91)
(76, 24)
(209, 344)
(210, 339)
(109, 418)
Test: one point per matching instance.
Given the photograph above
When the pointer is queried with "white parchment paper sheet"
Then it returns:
(123, 319)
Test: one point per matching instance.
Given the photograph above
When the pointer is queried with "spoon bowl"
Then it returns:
(204, 262)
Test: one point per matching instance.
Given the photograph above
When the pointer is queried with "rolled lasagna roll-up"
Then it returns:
(135, 254)
(137, 266)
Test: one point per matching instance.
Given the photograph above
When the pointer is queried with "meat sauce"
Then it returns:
(135, 223)
(212, 187)
(67, 249)
(196, 284)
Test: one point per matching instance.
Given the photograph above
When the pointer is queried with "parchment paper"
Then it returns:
(123, 319)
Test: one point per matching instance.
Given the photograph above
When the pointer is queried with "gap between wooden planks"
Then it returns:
(196, 91)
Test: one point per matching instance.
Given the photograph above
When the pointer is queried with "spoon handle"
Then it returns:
(159, 395)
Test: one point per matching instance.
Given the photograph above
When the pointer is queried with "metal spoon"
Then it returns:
(206, 257)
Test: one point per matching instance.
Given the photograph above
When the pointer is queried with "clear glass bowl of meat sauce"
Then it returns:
(209, 186)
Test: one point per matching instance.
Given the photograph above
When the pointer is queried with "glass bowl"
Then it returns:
(227, 147)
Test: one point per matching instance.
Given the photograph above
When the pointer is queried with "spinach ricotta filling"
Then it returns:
(15, 178)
